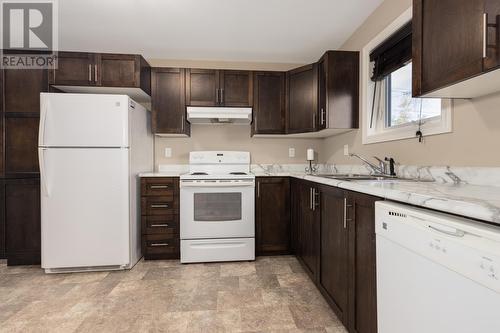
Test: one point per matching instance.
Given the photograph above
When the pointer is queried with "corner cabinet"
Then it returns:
(338, 90)
(102, 70)
(272, 215)
(269, 115)
(209, 87)
(305, 222)
(302, 99)
(168, 102)
(333, 235)
(333, 277)
(360, 218)
(455, 48)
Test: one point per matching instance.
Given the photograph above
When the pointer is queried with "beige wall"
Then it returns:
(234, 137)
(475, 140)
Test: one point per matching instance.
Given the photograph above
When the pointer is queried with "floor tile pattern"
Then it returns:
(272, 294)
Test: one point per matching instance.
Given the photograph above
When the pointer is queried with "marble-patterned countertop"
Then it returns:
(478, 201)
(160, 174)
(474, 201)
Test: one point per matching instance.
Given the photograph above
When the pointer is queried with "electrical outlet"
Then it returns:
(168, 152)
(346, 150)
(291, 152)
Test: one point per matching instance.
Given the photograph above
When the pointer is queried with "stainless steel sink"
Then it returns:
(353, 177)
(349, 177)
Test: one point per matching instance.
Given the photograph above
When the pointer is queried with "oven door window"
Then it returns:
(212, 207)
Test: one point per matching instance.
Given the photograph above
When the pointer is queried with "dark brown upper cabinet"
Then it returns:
(208, 87)
(236, 88)
(338, 90)
(102, 70)
(302, 99)
(454, 43)
(269, 114)
(168, 102)
(272, 215)
(202, 87)
(492, 13)
(74, 69)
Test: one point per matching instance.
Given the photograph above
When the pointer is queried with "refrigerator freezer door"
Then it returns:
(79, 120)
(85, 207)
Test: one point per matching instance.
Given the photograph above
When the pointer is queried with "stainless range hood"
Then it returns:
(219, 115)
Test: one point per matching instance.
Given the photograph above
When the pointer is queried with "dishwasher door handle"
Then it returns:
(456, 233)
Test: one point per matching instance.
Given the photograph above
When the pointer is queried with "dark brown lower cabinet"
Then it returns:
(272, 216)
(333, 236)
(21, 213)
(3, 253)
(333, 280)
(306, 226)
(362, 263)
(160, 218)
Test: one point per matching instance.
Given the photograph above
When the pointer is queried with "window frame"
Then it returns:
(430, 126)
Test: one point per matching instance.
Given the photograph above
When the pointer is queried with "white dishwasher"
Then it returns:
(436, 273)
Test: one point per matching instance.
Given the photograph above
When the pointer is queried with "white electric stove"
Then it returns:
(217, 215)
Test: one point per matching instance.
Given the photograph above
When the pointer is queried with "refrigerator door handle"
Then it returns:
(43, 173)
(43, 117)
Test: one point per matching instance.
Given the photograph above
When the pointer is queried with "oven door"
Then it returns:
(215, 209)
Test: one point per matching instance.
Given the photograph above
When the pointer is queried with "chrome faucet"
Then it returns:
(382, 168)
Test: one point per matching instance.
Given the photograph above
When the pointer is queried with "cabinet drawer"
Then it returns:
(158, 186)
(164, 205)
(168, 224)
(160, 245)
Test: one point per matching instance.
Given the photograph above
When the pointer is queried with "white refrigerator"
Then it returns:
(91, 148)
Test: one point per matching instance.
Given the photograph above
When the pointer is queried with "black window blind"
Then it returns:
(392, 54)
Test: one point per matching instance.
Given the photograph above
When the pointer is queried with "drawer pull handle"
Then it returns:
(159, 206)
(159, 244)
(159, 225)
(158, 187)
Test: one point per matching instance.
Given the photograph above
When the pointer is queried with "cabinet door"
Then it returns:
(302, 87)
(362, 264)
(168, 102)
(492, 10)
(447, 42)
(272, 218)
(269, 103)
(21, 146)
(333, 274)
(3, 253)
(202, 87)
(308, 237)
(74, 69)
(22, 89)
(22, 216)
(322, 92)
(236, 88)
(118, 70)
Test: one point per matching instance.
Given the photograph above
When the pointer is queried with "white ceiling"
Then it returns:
(282, 31)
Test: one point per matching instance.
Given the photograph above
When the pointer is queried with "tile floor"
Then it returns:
(272, 294)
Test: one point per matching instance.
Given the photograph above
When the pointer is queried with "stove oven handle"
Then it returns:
(215, 184)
